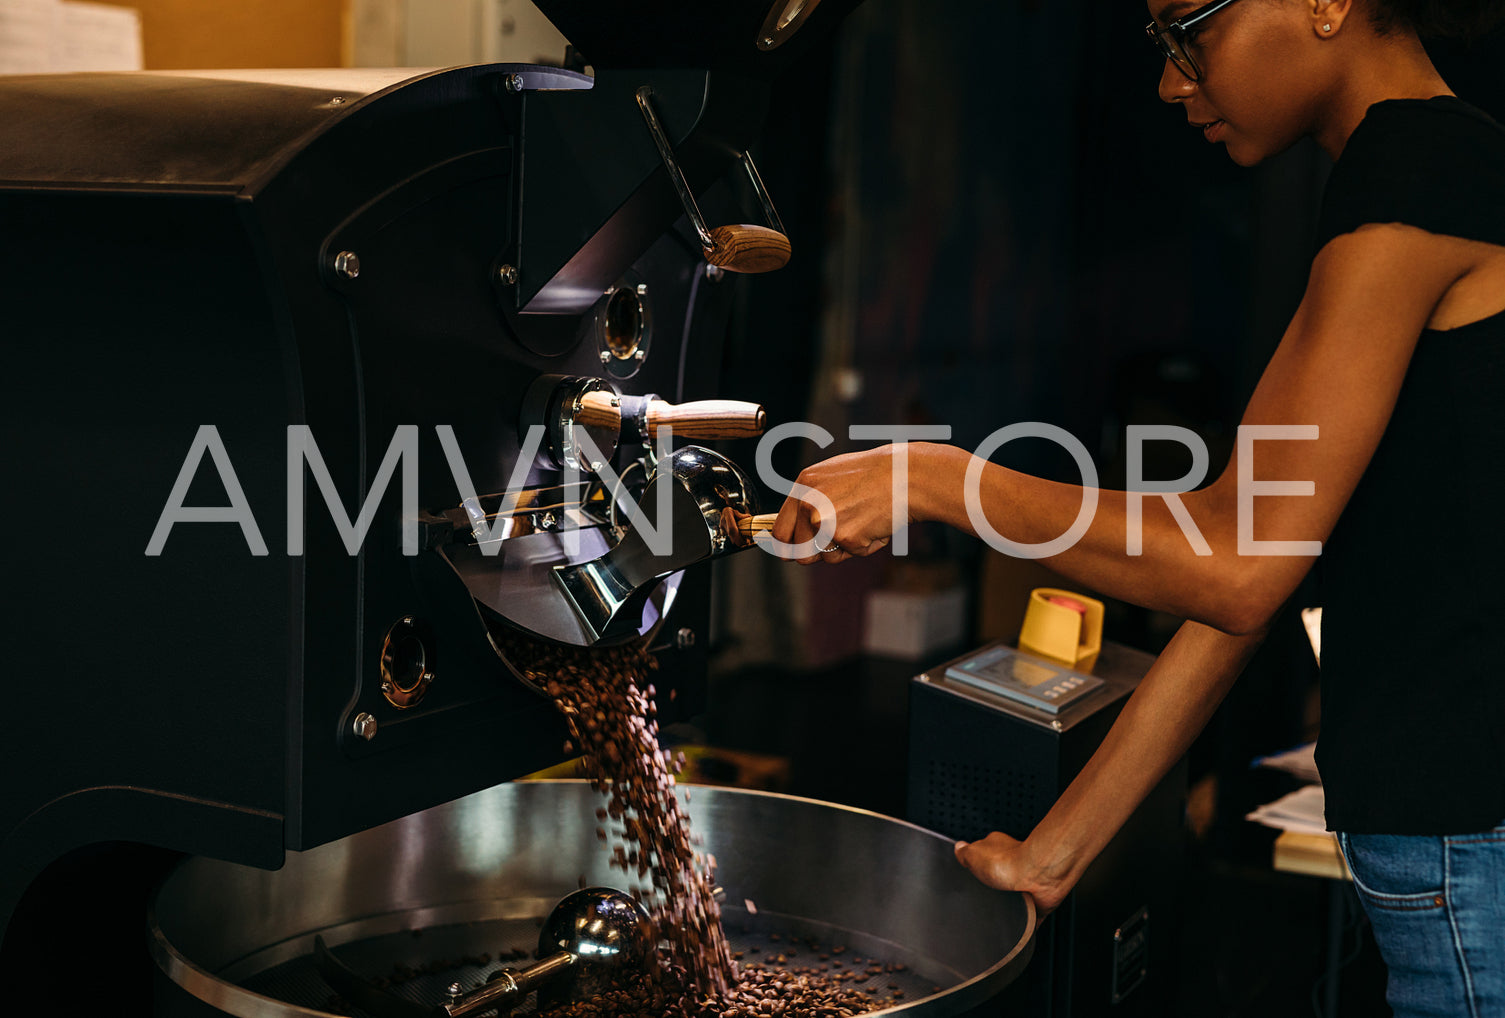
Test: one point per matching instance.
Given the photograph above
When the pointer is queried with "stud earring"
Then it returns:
(1327, 28)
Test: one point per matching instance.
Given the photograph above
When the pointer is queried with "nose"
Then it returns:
(1174, 86)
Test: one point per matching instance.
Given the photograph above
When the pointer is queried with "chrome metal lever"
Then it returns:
(743, 248)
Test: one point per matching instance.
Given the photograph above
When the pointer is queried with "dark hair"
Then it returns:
(1442, 19)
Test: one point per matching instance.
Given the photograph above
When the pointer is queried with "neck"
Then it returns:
(1385, 67)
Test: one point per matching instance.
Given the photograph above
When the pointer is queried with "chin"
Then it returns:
(1248, 152)
(1245, 154)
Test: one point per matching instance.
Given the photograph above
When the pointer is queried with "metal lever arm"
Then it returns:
(743, 248)
(506, 990)
(699, 420)
(509, 988)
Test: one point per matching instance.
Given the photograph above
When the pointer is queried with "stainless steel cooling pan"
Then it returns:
(885, 888)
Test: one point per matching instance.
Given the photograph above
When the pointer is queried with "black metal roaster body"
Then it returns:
(234, 289)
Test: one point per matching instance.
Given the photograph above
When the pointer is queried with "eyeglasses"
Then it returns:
(1174, 40)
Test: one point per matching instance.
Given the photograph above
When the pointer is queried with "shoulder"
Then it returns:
(1435, 164)
(1442, 112)
(1444, 122)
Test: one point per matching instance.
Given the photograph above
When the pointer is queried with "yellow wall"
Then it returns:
(198, 34)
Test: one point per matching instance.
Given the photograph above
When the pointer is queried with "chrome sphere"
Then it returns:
(606, 930)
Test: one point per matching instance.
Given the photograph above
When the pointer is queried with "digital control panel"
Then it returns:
(1024, 678)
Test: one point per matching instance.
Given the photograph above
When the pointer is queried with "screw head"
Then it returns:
(685, 638)
(715, 273)
(605, 356)
(642, 289)
(514, 82)
(453, 992)
(365, 726)
(337, 100)
(507, 275)
(639, 354)
(347, 265)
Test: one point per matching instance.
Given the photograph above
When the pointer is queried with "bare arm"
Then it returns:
(1172, 704)
(1339, 367)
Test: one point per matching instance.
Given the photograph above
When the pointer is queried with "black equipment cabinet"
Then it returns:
(980, 763)
(175, 254)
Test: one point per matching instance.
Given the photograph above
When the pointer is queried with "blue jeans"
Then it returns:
(1437, 905)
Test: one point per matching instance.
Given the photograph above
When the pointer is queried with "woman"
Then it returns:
(1389, 371)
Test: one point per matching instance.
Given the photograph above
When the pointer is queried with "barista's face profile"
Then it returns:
(1263, 69)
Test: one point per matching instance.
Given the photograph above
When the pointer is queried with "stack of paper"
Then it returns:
(52, 36)
(1304, 810)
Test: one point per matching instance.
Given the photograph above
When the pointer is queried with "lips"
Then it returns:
(1212, 130)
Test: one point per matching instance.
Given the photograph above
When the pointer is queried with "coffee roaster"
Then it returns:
(320, 380)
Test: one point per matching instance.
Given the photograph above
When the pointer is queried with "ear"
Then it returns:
(1328, 16)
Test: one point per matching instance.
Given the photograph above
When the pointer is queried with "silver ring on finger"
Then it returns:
(830, 548)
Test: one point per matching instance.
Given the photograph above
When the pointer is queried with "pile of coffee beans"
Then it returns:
(760, 992)
(793, 977)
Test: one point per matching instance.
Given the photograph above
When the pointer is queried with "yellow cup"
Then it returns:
(1063, 626)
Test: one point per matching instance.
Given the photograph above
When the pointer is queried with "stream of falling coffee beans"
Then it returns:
(608, 704)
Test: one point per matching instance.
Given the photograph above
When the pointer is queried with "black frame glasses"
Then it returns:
(1172, 40)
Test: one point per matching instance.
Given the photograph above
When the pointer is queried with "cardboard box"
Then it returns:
(909, 624)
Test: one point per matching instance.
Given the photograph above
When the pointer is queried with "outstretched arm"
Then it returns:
(1339, 367)
(1172, 704)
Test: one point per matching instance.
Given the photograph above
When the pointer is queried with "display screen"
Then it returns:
(1030, 673)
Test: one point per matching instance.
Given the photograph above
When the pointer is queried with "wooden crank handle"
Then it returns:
(748, 248)
(708, 418)
(700, 419)
(751, 526)
(599, 410)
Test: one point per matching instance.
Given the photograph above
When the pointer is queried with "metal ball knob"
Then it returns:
(590, 935)
(605, 930)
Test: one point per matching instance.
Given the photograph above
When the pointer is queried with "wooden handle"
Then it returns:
(751, 526)
(748, 248)
(701, 419)
(599, 410)
(708, 418)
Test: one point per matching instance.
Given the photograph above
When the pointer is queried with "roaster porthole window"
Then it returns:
(623, 325)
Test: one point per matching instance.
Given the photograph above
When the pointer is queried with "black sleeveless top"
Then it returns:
(1413, 576)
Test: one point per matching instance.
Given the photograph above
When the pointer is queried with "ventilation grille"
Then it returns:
(968, 801)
